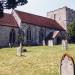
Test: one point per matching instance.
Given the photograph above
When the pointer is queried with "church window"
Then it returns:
(12, 36)
(28, 34)
(20, 36)
(59, 18)
(54, 16)
(41, 35)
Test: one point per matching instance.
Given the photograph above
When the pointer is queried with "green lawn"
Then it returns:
(38, 60)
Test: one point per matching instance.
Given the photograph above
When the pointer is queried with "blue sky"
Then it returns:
(41, 7)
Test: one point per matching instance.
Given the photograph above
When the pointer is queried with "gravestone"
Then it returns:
(64, 45)
(19, 50)
(50, 43)
(43, 42)
(67, 65)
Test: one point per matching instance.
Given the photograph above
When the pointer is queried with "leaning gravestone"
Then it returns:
(19, 53)
(64, 45)
(50, 43)
(43, 42)
(19, 50)
(67, 65)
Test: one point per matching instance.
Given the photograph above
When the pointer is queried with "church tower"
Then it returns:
(62, 15)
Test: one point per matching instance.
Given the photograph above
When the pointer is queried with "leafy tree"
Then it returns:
(10, 4)
(13, 3)
(71, 30)
(22, 2)
(1, 10)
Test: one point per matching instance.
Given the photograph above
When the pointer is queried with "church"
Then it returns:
(34, 29)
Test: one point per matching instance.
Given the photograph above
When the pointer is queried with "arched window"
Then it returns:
(41, 35)
(12, 36)
(29, 34)
(54, 16)
(20, 36)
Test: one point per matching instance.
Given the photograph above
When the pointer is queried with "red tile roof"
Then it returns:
(39, 20)
(8, 20)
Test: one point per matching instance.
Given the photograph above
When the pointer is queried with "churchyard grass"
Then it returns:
(38, 60)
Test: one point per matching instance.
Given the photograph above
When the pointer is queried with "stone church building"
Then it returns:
(34, 29)
(64, 16)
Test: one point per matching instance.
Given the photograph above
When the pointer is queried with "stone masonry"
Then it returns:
(63, 16)
(32, 34)
(4, 35)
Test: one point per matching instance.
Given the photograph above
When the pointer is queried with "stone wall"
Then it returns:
(5, 32)
(59, 15)
(63, 16)
(4, 35)
(35, 29)
(34, 32)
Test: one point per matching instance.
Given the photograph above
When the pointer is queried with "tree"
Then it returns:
(22, 2)
(71, 31)
(13, 3)
(1, 10)
(10, 4)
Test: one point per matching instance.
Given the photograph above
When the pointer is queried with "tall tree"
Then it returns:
(1, 10)
(22, 2)
(13, 3)
(10, 4)
(71, 30)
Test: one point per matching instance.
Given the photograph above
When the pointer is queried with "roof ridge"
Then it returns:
(31, 19)
(38, 20)
(66, 7)
(34, 14)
